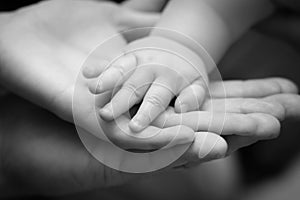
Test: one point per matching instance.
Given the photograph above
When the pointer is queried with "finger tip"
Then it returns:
(189, 134)
(177, 109)
(180, 107)
(219, 150)
(95, 87)
(86, 72)
(212, 146)
(135, 126)
(91, 71)
(106, 114)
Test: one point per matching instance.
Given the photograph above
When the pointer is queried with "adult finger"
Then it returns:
(245, 106)
(259, 125)
(252, 88)
(151, 138)
(207, 146)
(290, 102)
(281, 106)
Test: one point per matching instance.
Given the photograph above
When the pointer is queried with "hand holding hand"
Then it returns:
(34, 139)
(153, 70)
(254, 110)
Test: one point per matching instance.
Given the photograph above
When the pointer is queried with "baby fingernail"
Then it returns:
(105, 113)
(135, 126)
(138, 123)
(99, 87)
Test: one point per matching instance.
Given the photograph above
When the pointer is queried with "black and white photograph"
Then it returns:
(149, 99)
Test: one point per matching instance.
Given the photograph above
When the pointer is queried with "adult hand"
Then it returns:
(50, 48)
(42, 154)
(254, 110)
(57, 36)
(43, 63)
(44, 45)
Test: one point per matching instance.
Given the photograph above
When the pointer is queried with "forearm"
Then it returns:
(214, 24)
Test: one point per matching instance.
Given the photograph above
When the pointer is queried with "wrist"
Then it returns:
(209, 30)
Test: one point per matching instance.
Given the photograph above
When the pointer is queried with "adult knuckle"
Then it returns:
(254, 125)
(288, 85)
(278, 110)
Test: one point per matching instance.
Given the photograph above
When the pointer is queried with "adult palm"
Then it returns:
(43, 46)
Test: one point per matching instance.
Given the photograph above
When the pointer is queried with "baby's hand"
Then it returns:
(153, 70)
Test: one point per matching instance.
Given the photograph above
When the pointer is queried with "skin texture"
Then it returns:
(218, 30)
(49, 53)
(32, 142)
